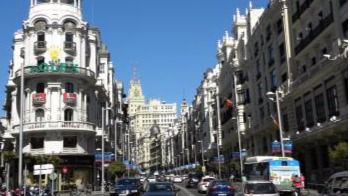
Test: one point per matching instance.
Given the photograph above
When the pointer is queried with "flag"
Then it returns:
(228, 103)
(275, 121)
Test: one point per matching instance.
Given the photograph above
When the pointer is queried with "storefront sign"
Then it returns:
(55, 68)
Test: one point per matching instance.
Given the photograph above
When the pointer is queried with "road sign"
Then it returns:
(43, 169)
(53, 176)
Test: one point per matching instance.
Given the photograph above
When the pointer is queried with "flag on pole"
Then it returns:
(228, 103)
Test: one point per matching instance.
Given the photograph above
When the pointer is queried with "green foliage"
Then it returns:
(339, 155)
(198, 169)
(116, 168)
(9, 156)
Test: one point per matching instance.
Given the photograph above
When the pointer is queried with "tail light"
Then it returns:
(231, 188)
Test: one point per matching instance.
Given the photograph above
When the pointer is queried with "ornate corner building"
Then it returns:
(68, 80)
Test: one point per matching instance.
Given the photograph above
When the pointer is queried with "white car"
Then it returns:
(259, 188)
(177, 179)
(203, 184)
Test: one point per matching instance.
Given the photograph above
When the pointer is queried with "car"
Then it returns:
(161, 189)
(177, 179)
(220, 188)
(202, 186)
(127, 187)
(258, 188)
(192, 182)
(337, 184)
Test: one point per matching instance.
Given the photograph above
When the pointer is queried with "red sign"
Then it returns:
(64, 170)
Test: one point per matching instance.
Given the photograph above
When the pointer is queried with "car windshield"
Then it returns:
(260, 188)
(128, 182)
(224, 183)
(166, 187)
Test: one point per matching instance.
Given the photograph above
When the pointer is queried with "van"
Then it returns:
(337, 184)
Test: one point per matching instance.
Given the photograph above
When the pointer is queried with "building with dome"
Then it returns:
(68, 82)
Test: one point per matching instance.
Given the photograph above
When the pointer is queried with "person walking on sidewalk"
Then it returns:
(297, 183)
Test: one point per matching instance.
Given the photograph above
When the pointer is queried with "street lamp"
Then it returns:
(103, 149)
(202, 152)
(275, 96)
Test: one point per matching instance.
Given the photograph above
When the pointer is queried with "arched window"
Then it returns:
(39, 115)
(69, 25)
(69, 87)
(40, 25)
(40, 88)
(68, 115)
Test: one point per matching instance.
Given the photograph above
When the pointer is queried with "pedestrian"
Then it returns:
(232, 177)
(297, 183)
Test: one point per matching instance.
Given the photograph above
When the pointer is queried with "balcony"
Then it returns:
(70, 48)
(39, 98)
(301, 10)
(70, 98)
(55, 125)
(39, 47)
(324, 23)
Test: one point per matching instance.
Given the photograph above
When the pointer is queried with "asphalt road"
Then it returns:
(187, 191)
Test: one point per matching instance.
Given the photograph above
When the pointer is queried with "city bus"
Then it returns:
(278, 170)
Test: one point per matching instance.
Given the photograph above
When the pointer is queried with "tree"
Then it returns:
(116, 168)
(339, 155)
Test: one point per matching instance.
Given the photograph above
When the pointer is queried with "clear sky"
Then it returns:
(170, 42)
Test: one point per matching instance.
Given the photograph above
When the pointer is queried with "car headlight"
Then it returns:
(124, 191)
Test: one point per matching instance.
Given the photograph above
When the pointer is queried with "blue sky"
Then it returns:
(170, 42)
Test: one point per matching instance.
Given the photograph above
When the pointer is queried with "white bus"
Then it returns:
(278, 170)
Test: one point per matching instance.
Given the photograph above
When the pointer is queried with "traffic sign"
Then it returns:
(53, 176)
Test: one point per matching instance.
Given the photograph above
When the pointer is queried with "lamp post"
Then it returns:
(103, 149)
(238, 126)
(202, 152)
(272, 96)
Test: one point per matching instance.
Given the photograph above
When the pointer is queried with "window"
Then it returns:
(309, 113)
(282, 53)
(260, 90)
(69, 37)
(320, 109)
(40, 25)
(332, 100)
(270, 57)
(69, 87)
(345, 28)
(102, 68)
(313, 61)
(40, 87)
(284, 77)
(39, 115)
(68, 115)
(69, 60)
(69, 141)
(299, 117)
(273, 80)
(345, 81)
(262, 113)
(41, 37)
(69, 25)
(268, 33)
(279, 26)
(37, 142)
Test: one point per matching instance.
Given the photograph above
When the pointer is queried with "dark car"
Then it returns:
(161, 189)
(220, 187)
(127, 187)
(192, 182)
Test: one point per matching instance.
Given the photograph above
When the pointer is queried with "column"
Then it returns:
(27, 105)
